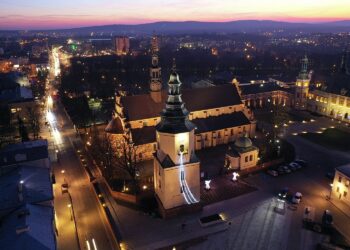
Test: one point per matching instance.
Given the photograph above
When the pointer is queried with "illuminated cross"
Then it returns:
(234, 176)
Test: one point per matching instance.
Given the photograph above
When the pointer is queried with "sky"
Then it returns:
(52, 14)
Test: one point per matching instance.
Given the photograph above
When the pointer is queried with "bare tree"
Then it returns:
(116, 157)
(127, 157)
(34, 121)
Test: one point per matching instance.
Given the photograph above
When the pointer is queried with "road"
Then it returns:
(79, 215)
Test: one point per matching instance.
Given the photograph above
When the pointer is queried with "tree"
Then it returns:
(34, 121)
(127, 153)
(22, 130)
(278, 120)
(117, 158)
(6, 128)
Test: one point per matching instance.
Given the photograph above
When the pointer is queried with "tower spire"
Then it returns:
(174, 118)
(303, 74)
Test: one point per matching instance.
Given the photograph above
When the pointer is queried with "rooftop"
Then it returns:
(256, 88)
(25, 184)
(28, 227)
(345, 169)
(148, 134)
(140, 107)
(24, 152)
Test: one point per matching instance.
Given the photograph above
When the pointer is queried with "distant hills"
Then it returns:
(249, 26)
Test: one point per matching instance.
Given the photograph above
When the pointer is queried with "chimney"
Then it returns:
(22, 229)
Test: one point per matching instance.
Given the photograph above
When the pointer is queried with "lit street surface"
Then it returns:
(88, 214)
(81, 222)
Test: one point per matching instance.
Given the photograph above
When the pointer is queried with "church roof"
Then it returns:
(248, 89)
(213, 123)
(140, 107)
(115, 126)
(143, 135)
(148, 134)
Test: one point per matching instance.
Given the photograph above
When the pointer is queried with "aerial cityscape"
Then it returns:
(174, 125)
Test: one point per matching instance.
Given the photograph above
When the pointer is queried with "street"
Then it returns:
(81, 222)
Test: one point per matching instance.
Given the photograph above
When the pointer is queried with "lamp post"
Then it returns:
(70, 210)
(330, 190)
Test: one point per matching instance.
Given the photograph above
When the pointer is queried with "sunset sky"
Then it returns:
(40, 14)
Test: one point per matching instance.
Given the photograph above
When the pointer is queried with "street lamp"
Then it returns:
(70, 210)
(330, 190)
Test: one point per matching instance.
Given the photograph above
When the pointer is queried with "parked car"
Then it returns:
(272, 172)
(327, 218)
(295, 165)
(292, 167)
(283, 193)
(280, 170)
(286, 169)
(301, 162)
(297, 198)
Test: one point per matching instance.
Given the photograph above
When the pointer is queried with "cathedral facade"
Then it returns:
(218, 113)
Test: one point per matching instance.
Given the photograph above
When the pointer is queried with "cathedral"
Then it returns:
(217, 112)
(222, 113)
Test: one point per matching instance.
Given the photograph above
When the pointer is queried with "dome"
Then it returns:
(243, 142)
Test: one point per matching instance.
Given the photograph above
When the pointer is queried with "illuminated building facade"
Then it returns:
(176, 167)
(122, 45)
(341, 183)
(242, 154)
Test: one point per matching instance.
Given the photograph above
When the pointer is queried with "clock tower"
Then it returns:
(176, 167)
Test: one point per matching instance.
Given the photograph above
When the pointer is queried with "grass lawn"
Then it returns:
(331, 138)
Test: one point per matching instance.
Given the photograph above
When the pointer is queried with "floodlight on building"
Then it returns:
(207, 184)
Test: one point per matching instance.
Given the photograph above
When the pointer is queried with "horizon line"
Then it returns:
(292, 20)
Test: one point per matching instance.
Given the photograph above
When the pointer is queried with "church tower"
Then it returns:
(302, 85)
(155, 76)
(176, 167)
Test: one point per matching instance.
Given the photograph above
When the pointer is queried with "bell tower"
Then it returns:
(155, 77)
(176, 167)
(302, 86)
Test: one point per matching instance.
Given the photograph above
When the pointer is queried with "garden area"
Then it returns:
(332, 138)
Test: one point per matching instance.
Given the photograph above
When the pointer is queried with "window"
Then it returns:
(181, 190)
(246, 159)
(345, 193)
(250, 157)
(334, 100)
(339, 179)
(159, 184)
